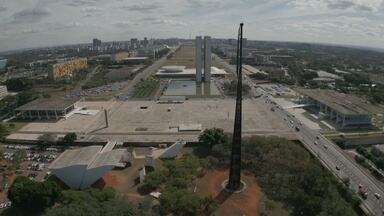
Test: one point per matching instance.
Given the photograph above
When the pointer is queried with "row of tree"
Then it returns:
(287, 173)
(37, 198)
(175, 182)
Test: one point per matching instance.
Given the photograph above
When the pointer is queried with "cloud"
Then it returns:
(30, 31)
(355, 5)
(142, 7)
(168, 22)
(124, 24)
(78, 3)
(91, 11)
(2, 9)
(340, 5)
(30, 15)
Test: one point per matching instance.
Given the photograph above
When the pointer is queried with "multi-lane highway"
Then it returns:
(329, 154)
(332, 157)
(144, 75)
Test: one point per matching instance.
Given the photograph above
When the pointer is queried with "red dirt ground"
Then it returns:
(244, 203)
(108, 180)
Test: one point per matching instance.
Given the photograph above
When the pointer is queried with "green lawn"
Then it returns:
(146, 88)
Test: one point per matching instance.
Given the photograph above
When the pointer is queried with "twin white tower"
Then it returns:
(207, 58)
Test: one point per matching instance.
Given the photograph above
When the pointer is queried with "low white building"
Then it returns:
(82, 167)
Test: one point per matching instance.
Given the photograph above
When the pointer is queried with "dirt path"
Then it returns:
(244, 203)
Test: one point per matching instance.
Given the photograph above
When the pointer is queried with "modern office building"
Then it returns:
(198, 58)
(66, 68)
(96, 43)
(46, 109)
(134, 43)
(145, 42)
(207, 58)
(346, 111)
(82, 167)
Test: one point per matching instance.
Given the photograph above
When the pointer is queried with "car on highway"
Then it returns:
(377, 195)
(316, 143)
(337, 168)
(325, 146)
(363, 191)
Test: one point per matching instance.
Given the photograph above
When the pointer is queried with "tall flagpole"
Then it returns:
(235, 166)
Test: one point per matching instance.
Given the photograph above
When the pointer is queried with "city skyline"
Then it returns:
(41, 23)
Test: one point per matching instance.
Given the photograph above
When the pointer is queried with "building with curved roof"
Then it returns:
(82, 167)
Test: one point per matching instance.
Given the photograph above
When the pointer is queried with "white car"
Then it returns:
(377, 195)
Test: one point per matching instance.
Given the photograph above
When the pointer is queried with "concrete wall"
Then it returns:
(72, 176)
(92, 175)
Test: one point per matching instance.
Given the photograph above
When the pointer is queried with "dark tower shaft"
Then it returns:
(235, 166)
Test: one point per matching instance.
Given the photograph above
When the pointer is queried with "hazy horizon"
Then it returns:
(44, 23)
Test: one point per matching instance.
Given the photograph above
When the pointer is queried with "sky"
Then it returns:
(38, 23)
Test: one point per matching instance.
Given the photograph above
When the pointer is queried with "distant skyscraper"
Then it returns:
(207, 59)
(198, 48)
(96, 44)
(145, 42)
(134, 43)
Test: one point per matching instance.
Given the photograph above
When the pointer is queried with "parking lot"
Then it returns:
(22, 160)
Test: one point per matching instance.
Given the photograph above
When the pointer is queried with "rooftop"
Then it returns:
(48, 104)
(91, 156)
(80, 156)
(343, 103)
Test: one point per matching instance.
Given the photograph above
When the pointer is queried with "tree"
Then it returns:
(69, 138)
(18, 84)
(18, 156)
(91, 202)
(288, 174)
(3, 131)
(33, 196)
(213, 136)
(153, 180)
(179, 202)
(46, 140)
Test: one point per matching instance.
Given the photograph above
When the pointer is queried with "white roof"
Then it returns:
(190, 127)
(91, 156)
(80, 156)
